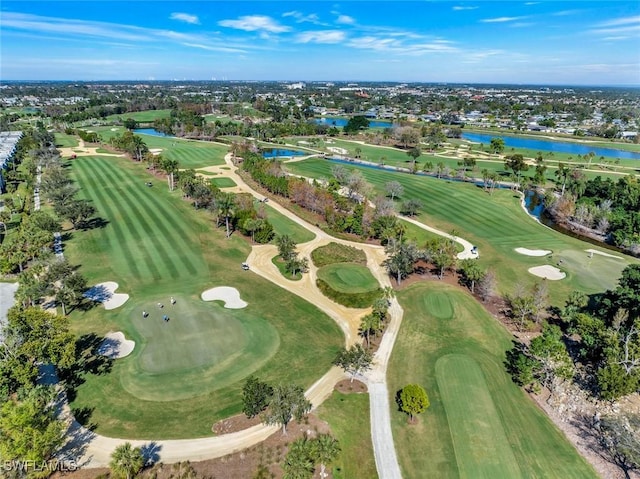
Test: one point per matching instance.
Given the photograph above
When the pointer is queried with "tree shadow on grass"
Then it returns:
(88, 361)
(93, 223)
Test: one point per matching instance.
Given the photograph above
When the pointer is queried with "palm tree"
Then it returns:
(126, 461)
(170, 167)
(325, 449)
(369, 323)
(226, 203)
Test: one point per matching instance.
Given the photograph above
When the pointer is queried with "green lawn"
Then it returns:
(143, 116)
(479, 424)
(223, 182)
(348, 278)
(348, 417)
(497, 224)
(186, 373)
(284, 226)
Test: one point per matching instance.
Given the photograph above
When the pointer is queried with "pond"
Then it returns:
(554, 146)
(150, 131)
(279, 152)
(341, 122)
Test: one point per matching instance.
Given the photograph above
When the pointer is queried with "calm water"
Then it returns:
(278, 152)
(534, 203)
(150, 131)
(341, 122)
(552, 145)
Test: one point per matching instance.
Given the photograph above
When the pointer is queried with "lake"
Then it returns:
(279, 152)
(341, 122)
(150, 131)
(554, 146)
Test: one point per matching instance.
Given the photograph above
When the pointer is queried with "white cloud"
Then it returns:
(185, 17)
(302, 18)
(460, 8)
(252, 23)
(501, 19)
(214, 48)
(617, 30)
(345, 20)
(620, 21)
(323, 36)
(566, 13)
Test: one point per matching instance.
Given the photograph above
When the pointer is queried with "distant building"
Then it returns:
(8, 143)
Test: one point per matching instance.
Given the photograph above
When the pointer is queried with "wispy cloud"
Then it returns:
(345, 20)
(399, 47)
(323, 36)
(302, 18)
(255, 23)
(620, 21)
(185, 17)
(215, 48)
(566, 13)
(502, 19)
(459, 8)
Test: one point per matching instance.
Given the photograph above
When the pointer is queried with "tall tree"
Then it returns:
(472, 272)
(324, 449)
(225, 203)
(354, 360)
(255, 396)
(413, 400)
(393, 189)
(126, 461)
(402, 256)
(287, 402)
(29, 429)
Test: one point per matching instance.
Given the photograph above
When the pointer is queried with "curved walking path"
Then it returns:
(93, 450)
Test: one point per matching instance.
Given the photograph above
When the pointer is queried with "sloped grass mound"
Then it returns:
(348, 284)
(337, 253)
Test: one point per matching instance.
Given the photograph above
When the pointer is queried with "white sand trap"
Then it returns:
(114, 129)
(595, 251)
(105, 293)
(533, 252)
(230, 296)
(337, 150)
(116, 346)
(155, 151)
(547, 272)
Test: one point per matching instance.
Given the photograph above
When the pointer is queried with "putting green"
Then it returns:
(203, 347)
(438, 304)
(348, 278)
(479, 440)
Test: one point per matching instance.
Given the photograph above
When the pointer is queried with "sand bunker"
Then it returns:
(595, 251)
(337, 150)
(116, 346)
(230, 296)
(533, 252)
(547, 272)
(105, 293)
(155, 151)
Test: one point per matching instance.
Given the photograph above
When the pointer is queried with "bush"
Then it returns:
(350, 300)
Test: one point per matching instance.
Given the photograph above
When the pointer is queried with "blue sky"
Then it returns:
(529, 42)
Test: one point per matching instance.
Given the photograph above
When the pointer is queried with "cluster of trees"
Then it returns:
(606, 338)
(29, 427)
(607, 207)
(278, 404)
(294, 264)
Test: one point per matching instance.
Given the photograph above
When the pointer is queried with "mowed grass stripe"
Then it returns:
(86, 173)
(158, 215)
(480, 443)
(137, 225)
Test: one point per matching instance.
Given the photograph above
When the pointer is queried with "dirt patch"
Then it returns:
(239, 422)
(347, 387)
(266, 456)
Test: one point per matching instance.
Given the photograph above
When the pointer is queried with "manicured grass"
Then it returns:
(188, 153)
(348, 278)
(497, 224)
(284, 226)
(64, 140)
(187, 373)
(223, 182)
(348, 417)
(479, 423)
(337, 253)
(143, 116)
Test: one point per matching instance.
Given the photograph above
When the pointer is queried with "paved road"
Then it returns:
(7, 300)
